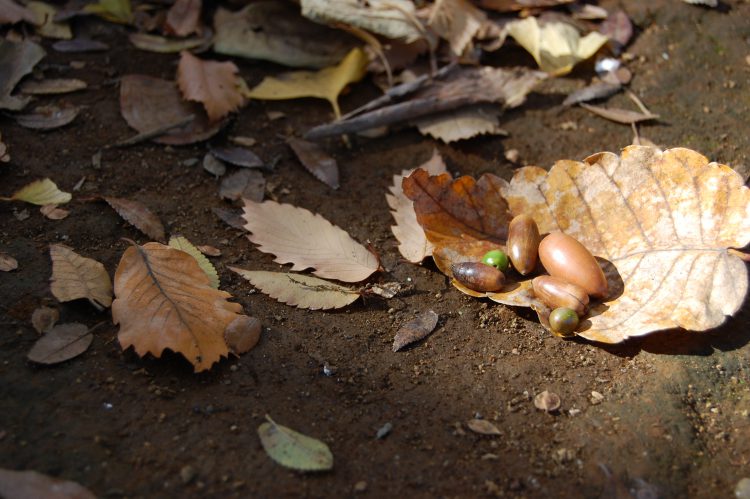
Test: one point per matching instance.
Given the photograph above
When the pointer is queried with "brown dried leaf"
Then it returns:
(483, 427)
(415, 329)
(48, 117)
(52, 86)
(164, 300)
(138, 215)
(624, 116)
(298, 236)
(61, 343)
(600, 90)
(44, 318)
(316, 161)
(238, 156)
(242, 334)
(183, 17)
(74, 277)
(243, 184)
(28, 484)
(413, 244)
(618, 28)
(52, 212)
(213, 84)
(7, 262)
(209, 250)
(463, 123)
(457, 21)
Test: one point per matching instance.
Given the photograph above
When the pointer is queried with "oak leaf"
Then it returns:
(299, 290)
(662, 223)
(136, 213)
(74, 277)
(306, 240)
(164, 300)
(213, 84)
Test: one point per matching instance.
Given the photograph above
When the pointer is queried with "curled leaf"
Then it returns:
(75, 277)
(181, 243)
(294, 450)
(61, 343)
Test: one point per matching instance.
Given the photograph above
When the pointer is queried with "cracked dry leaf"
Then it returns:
(74, 277)
(41, 193)
(412, 243)
(181, 243)
(307, 240)
(555, 46)
(214, 84)
(299, 290)
(137, 215)
(662, 221)
(324, 84)
(164, 300)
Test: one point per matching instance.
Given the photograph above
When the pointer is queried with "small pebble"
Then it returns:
(596, 398)
(384, 431)
(187, 473)
(360, 486)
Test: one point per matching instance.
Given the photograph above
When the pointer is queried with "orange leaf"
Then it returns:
(164, 300)
(214, 84)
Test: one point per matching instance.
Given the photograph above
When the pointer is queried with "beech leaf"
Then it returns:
(316, 161)
(181, 243)
(306, 240)
(300, 290)
(414, 330)
(41, 193)
(138, 215)
(75, 277)
(213, 84)
(294, 450)
(164, 300)
(61, 343)
(28, 484)
(324, 84)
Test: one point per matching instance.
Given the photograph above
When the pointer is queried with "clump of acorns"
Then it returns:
(574, 274)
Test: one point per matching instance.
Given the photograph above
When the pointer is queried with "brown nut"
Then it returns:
(556, 293)
(478, 276)
(523, 243)
(565, 257)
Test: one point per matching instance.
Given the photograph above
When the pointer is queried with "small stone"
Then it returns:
(742, 490)
(360, 486)
(384, 431)
(512, 155)
(187, 473)
(596, 398)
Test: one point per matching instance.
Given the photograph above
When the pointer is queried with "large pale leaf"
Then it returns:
(214, 84)
(74, 277)
(298, 236)
(299, 290)
(390, 18)
(164, 300)
(294, 450)
(181, 243)
(661, 221)
(41, 193)
(16, 61)
(413, 245)
(324, 84)
(30, 484)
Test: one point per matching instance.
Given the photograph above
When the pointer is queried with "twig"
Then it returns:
(637, 101)
(150, 134)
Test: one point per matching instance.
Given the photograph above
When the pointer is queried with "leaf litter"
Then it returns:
(292, 449)
(75, 277)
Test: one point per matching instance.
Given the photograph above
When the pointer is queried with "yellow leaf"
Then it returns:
(74, 277)
(41, 192)
(48, 28)
(324, 84)
(118, 11)
(181, 243)
(555, 46)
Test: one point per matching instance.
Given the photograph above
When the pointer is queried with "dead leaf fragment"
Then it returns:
(624, 116)
(74, 277)
(243, 184)
(463, 123)
(242, 334)
(600, 90)
(213, 165)
(209, 250)
(238, 156)
(300, 290)
(44, 318)
(7, 262)
(316, 161)
(618, 28)
(47, 117)
(547, 401)
(483, 427)
(28, 484)
(52, 212)
(181, 243)
(162, 45)
(16, 61)
(294, 450)
(183, 17)
(230, 218)
(415, 330)
(61, 343)
(457, 21)
(136, 213)
(213, 84)
(41, 192)
(307, 240)
(390, 18)
(52, 86)
(164, 300)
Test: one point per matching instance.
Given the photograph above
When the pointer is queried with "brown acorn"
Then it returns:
(523, 243)
(556, 293)
(565, 257)
(478, 276)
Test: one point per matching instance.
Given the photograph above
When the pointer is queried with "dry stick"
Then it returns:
(150, 134)
(637, 101)
(374, 44)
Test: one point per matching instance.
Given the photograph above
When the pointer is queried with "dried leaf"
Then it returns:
(162, 45)
(28, 484)
(213, 84)
(47, 117)
(300, 290)
(457, 21)
(46, 24)
(307, 240)
(61, 343)
(618, 28)
(52, 86)
(44, 318)
(600, 90)
(183, 17)
(483, 427)
(242, 334)
(555, 46)
(138, 215)
(41, 192)
(238, 156)
(11, 13)
(164, 300)
(16, 61)
(149, 104)
(513, 5)
(7, 262)
(294, 450)
(243, 184)
(390, 18)
(52, 212)
(415, 330)
(209, 250)
(230, 218)
(463, 123)
(213, 165)
(181, 243)
(413, 244)
(316, 161)
(78, 45)
(324, 84)
(275, 31)
(74, 277)
(624, 116)
(707, 3)
(117, 11)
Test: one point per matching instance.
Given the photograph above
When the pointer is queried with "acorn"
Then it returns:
(478, 276)
(523, 243)
(563, 321)
(565, 257)
(556, 293)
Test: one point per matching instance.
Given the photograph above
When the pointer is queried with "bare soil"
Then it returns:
(673, 416)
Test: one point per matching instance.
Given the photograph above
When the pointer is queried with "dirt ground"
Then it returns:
(673, 420)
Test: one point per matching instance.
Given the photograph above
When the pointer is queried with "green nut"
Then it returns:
(563, 321)
(496, 258)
